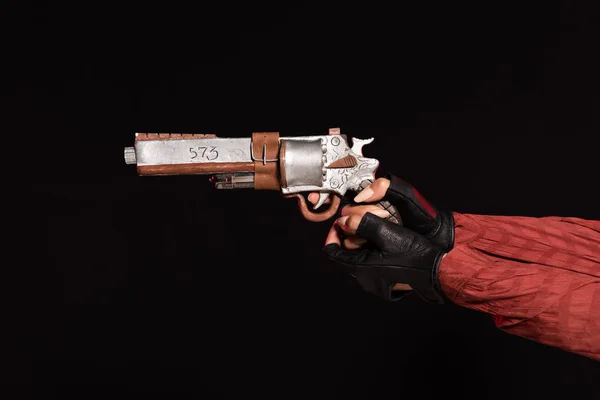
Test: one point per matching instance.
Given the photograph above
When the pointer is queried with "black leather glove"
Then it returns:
(398, 254)
(433, 228)
(419, 215)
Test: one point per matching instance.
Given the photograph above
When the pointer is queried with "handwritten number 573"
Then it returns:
(209, 153)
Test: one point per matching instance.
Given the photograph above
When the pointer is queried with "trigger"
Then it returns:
(322, 199)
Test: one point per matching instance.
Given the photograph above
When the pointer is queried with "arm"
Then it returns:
(538, 277)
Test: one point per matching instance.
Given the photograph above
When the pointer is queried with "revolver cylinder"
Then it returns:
(302, 162)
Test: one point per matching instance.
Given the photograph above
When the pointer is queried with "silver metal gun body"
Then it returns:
(325, 164)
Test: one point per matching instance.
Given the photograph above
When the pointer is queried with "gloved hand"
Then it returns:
(409, 254)
(417, 213)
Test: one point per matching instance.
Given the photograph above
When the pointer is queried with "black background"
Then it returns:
(164, 286)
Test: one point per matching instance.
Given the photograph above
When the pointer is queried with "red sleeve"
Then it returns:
(538, 277)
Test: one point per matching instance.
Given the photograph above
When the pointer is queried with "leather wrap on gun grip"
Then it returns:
(266, 175)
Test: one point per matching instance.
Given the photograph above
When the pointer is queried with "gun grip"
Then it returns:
(316, 216)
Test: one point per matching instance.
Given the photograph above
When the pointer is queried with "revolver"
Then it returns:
(294, 165)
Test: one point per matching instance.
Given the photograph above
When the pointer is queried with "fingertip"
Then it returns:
(313, 198)
(342, 221)
(333, 236)
(346, 224)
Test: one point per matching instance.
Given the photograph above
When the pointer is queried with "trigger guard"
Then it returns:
(316, 216)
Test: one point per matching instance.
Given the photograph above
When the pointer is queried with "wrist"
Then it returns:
(444, 233)
(440, 297)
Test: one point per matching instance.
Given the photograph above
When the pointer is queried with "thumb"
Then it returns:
(374, 192)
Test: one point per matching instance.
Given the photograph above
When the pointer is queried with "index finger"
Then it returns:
(313, 197)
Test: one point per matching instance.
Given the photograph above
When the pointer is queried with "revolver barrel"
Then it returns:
(188, 154)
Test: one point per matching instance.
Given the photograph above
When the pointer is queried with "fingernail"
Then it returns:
(365, 194)
(342, 221)
(381, 213)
